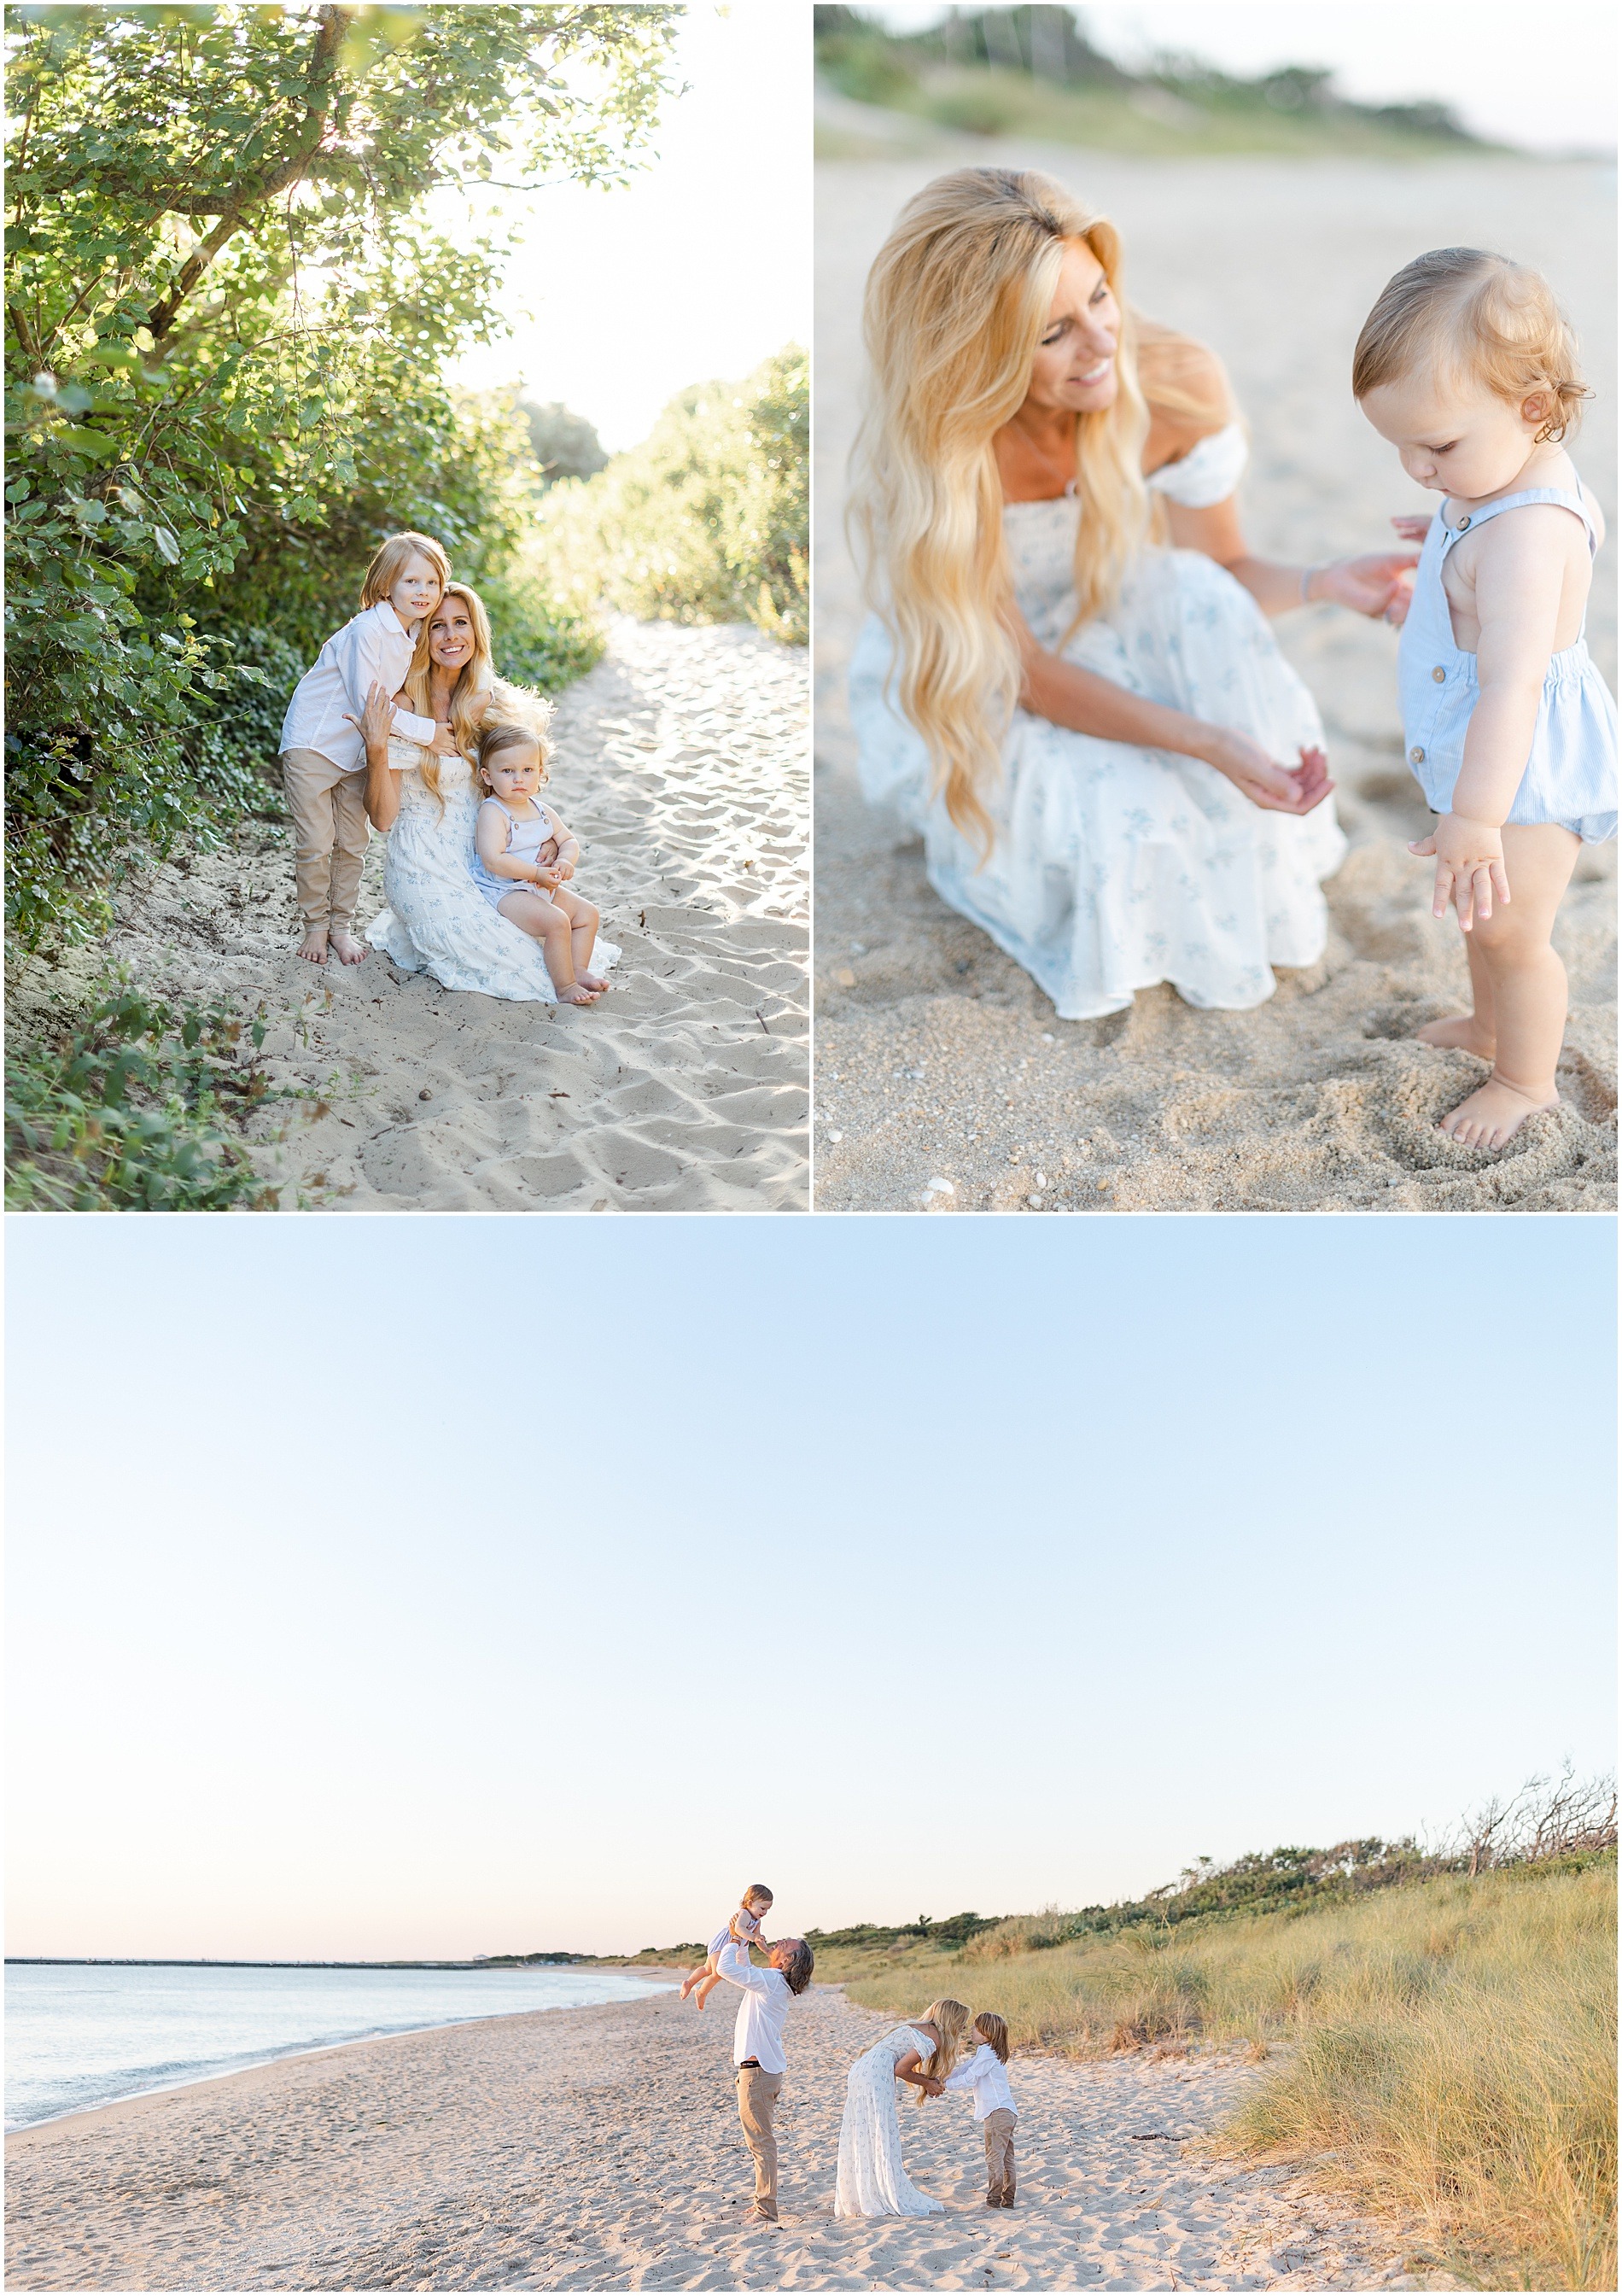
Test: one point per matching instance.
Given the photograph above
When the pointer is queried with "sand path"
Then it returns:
(937, 1059)
(600, 2148)
(681, 764)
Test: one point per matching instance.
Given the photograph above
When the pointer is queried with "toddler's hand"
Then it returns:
(1415, 527)
(1468, 867)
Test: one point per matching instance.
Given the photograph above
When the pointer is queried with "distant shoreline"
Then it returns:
(194, 1961)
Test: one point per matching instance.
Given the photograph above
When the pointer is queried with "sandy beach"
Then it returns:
(944, 1080)
(681, 764)
(599, 2148)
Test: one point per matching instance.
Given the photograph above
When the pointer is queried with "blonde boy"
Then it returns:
(323, 757)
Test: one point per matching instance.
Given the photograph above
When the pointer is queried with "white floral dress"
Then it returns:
(1116, 867)
(437, 920)
(873, 2182)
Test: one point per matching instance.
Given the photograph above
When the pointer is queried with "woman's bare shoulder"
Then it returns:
(1186, 389)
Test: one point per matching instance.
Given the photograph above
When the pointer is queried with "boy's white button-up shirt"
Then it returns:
(373, 648)
(988, 2076)
(761, 2012)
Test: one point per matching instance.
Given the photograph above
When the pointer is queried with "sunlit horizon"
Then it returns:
(908, 1567)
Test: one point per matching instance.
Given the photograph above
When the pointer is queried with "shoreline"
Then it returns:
(260, 2063)
(600, 2148)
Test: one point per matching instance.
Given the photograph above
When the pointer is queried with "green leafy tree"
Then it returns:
(227, 312)
(565, 445)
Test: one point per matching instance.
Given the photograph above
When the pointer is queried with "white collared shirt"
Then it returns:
(766, 1995)
(988, 2076)
(373, 648)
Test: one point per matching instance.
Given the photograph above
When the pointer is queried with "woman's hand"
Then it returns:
(376, 716)
(1377, 584)
(1468, 867)
(1275, 789)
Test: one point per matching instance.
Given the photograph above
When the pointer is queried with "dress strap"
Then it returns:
(1555, 495)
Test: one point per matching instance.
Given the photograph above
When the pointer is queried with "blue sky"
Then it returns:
(438, 1586)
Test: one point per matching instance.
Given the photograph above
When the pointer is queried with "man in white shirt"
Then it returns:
(757, 2050)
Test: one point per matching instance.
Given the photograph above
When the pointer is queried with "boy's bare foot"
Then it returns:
(345, 948)
(1463, 1033)
(688, 1986)
(575, 994)
(1493, 1115)
(593, 981)
(314, 946)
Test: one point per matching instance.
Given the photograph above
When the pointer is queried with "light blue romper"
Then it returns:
(524, 840)
(1571, 771)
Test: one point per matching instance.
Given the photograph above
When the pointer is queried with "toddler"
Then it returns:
(524, 857)
(987, 2074)
(1466, 365)
(743, 1928)
(323, 756)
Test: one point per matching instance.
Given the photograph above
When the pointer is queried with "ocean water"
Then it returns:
(81, 2034)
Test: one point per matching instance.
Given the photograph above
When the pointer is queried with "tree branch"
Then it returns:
(334, 23)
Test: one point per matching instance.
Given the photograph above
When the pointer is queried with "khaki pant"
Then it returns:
(757, 2095)
(999, 2129)
(330, 833)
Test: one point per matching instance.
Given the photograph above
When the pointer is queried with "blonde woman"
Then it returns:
(872, 2180)
(1116, 774)
(437, 919)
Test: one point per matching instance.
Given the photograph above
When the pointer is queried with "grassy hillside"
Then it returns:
(1446, 2046)
(1031, 72)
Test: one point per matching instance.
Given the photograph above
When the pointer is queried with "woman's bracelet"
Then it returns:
(1306, 574)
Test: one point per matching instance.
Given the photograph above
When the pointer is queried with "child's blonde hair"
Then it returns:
(757, 1890)
(1478, 314)
(389, 563)
(994, 2032)
(518, 720)
(951, 2020)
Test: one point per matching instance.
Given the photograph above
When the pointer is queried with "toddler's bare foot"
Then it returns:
(1461, 1034)
(1493, 1115)
(573, 993)
(345, 948)
(314, 946)
(593, 981)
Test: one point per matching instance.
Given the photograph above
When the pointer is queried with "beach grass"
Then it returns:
(1446, 2049)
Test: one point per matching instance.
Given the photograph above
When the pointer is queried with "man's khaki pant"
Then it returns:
(999, 2128)
(330, 833)
(757, 2095)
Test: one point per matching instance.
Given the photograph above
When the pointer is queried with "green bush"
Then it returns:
(706, 521)
(220, 395)
(128, 1110)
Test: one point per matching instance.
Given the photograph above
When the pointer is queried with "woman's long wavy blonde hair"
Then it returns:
(957, 303)
(951, 2020)
(471, 694)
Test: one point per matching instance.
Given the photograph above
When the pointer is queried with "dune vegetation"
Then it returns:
(1032, 71)
(705, 522)
(1444, 2045)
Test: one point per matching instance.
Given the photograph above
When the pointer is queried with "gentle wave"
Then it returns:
(83, 2034)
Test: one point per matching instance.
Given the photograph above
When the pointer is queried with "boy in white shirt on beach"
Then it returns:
(323, 757)
(987, 2074)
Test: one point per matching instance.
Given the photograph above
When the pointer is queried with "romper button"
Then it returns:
(1417, 757)
(1440, 676)
(1463, 522)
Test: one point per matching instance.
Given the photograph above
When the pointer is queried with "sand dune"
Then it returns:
(600, 2148)
(681, 763)
(938, 1061)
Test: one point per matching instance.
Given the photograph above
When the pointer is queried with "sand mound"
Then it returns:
(600, 2148)
(938, 1060)
(681, 764)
